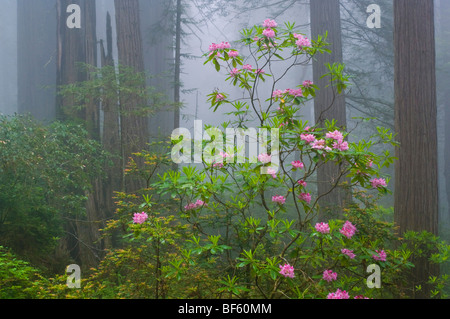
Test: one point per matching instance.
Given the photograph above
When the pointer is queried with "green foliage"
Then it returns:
(45, 174)
(18, 279)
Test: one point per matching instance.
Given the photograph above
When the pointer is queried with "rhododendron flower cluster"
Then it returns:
(329, 275)
(287, 271)
(302, 183)
(348, 252)
(378, 182)
(220, 46)
(336, 135)
(235, 72)
(307, 83)
(302, 41)
(269, 23)
(305, 197)
(323, 228)
(140, 218)
(264, 158)
(339, 294)
(269, 33)
(197, 204)
(318, 144)
(279, 199)
(297, 164)
(339, 143)
(308, 138)
(348, 230)
(292, 92)
(381, 255)
(272, 171)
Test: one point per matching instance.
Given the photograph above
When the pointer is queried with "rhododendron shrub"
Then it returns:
(242, 231)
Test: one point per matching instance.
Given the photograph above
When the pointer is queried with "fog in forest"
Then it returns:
(166, 41)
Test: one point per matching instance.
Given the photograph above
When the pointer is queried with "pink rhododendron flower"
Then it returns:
(295, 92)
(329, 275)
(268, 33)
(264, 158)
(381, 255)
(220, 46)
(278, 199)
(220, 97)
(318, 144)
(378, 182)
(360, 297)
(308, 138)
(308, 83)
(297, 164)
(235, 72)
(323, 228)
(287, 270)
(302, 41)
(269, 23)
(302, 183)
(341, 145)
(336, 135)
(260, 71)
(348, 252)
(224, 154)
(140, 218)
(305, 197)
(195, 205)
(247, 67)
(348, 230)
(278, 93)
(217, 165)
(339, 294)
(233, 54)
(272, 172)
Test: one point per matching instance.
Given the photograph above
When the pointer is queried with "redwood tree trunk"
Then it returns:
(325, 17)
(75, 47)
(416, 182)
(134, 126)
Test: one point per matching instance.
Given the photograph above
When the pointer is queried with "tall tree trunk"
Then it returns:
(134, 126)
(36, 58)
(111, 129)
(77, 46)
(443, 81)
(325, 17)
(177, 63)
(416, 183)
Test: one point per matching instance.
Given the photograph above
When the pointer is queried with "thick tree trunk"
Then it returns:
(77, 46)
(134, 126)
(177, 63)
(111, 130)
(416, 183)
(328, 105)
